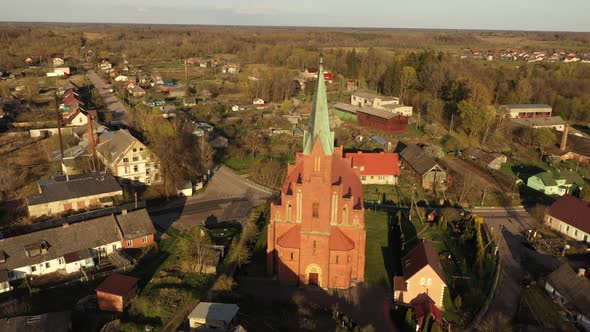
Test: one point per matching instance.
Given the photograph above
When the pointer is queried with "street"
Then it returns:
(507, 226)
(112, 102)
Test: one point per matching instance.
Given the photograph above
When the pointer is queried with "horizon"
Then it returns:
(526, 15)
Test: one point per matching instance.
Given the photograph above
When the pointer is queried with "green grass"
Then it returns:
(400, 194)
(344, 116)
(240, 164)
(378, 254)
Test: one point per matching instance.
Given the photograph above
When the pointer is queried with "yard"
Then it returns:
(379, 261)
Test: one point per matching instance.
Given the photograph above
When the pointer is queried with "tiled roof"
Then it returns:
(375, 163)
(135, 224)
(116, 146)
(418, 159)
(422, 255)
(576, 289)
(572, 211)
(84, 185)
(339, 241)
(117, 284)
(291, 239)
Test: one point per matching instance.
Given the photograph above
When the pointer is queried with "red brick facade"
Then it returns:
(139, 242)
(317, 230)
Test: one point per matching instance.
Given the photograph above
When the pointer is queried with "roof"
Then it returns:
(347, 108)
(379, 140)
(426, 306)
(378, 113)
(527, 106)
(60, 241)
(571, 286)
(339, 241)
(421, 256)
(84, 185)
(291, 239)
(52, 321)
(539, 122)
(375, 163)
(485, 157)
(570, 177)
(77, 256)
(399, 284)
(572, 211)
(114, 149)
(546, 178)
(117, 284)
(417, 159)
(135, 224)
(319, 119)
(575, 144)
(368, 95)
(210, 311)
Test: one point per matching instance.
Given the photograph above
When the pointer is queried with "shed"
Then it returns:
(209, 316)
(116, 292)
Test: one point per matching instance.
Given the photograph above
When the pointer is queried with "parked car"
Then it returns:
(529, 245)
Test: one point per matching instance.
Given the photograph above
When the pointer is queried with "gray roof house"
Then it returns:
(416, 159)
(486, 159)
(77, 192)
(573, 291)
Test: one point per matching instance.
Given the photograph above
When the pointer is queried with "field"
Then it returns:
(378, 254)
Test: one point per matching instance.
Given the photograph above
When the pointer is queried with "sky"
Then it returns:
(546, 15)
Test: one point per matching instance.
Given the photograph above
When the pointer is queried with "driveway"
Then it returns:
(112, 102)
(227, 197)
(508, 226)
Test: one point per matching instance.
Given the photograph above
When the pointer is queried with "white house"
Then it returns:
(121, 78)
(209, 316)
(258, 101)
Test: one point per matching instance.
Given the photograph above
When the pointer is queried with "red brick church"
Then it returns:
(316, 234)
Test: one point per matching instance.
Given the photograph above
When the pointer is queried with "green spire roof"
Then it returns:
(319, 120)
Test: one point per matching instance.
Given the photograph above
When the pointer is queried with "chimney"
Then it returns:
(563, 144)
(582, 272)
(65, 225)
(124, 211)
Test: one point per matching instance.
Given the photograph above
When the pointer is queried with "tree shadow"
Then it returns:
(526, 171)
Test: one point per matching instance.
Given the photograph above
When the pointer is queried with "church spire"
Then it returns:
(319, 120)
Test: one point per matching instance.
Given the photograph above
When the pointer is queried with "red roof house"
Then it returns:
(376, 168)
(571, 216)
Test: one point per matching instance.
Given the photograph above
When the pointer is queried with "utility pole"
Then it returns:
(61, 144)
(484, 195)
(451, 126)
(514, 188)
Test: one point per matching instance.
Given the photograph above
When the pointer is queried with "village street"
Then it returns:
(507, 226)
(111, 101)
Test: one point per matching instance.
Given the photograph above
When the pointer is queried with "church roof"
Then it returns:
(291, 239)
(339, 241)
(319, 120)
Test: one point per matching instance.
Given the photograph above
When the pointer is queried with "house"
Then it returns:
(202, 128)
(128, 158)
(52, 321)
(364, 99)
(422, 278)
(67, 248)
(570, 215)
(121, 78)
(310, 73)
(258, 101)
(137, 91)
(432, 175)
(82, 192)
(4, 281)
(219, 142)
(572, 290)
(209, 316)
(59, 71)
(79, 117)
(382, 120)
(105, 65)
(137, 229)
(485, 159)
(116, 292)
(559, 183)
(376, 168)
(398, 109)
(189, 102)
(515, 111)
(57, 59)
(317, 235)
(552, 122)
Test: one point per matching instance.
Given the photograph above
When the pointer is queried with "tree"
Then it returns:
(475, 119)
(434, 151)
(543, 137)
(407, 78)
(196, 252)
(432, 78)
(352, 64)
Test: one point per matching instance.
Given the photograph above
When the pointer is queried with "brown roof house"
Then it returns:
(61, 194)
(422, 278)
(570, 215)
(572, 290)
(432, 175)
(116, 291)
(128, 158)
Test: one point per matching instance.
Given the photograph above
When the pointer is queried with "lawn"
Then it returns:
(241, 165)
(400, 194)
(378, 253)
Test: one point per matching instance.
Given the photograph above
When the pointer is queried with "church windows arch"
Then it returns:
(315, 210)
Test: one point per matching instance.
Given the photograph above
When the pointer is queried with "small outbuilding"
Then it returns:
(116, 291)
(209, 316)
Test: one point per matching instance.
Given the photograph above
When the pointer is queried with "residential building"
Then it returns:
(316, 234)
(552, 122)
(364, 99)
(486, 159)
(128, 158)
(258, 101)
(57, 59)
(570, 215)
(116, 292)
(137, 229)
(571, 147)
(398, 109)
(376, 168)
(432, 176)
(422, 278)
(572, 290)
(514, 111)
(66, 248)
(559, 183)
(79, 117)
(4, 281)
(121, 78)
(62, 194)
(209, 316)
(382, 120)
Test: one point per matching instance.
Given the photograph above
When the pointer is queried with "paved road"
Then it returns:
(227, 197)
(515, 222)
(112, 102)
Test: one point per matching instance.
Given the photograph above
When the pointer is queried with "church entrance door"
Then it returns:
(313, 279)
